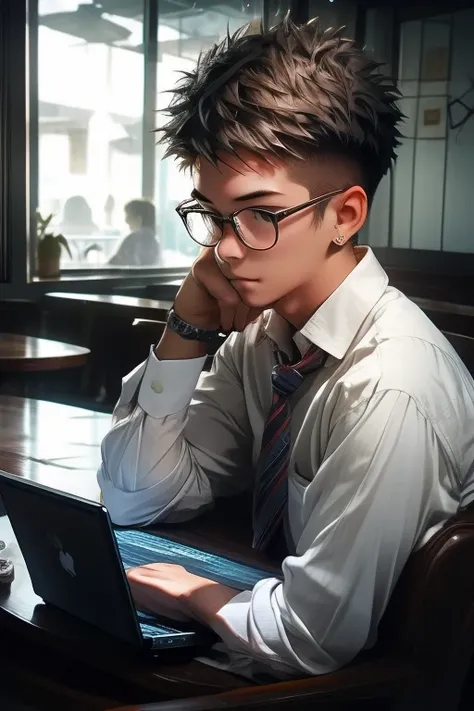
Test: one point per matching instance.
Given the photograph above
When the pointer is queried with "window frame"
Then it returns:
(13, 145)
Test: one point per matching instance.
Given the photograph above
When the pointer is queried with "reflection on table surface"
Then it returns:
(57, 445)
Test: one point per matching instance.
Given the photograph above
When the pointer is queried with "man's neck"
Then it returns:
(298, 306)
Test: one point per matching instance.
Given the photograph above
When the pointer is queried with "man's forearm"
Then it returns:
(204, 600)
(173, 347)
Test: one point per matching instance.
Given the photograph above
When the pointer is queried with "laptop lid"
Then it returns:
(71, 554)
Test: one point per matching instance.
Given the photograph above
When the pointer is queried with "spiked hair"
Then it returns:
(294, 92)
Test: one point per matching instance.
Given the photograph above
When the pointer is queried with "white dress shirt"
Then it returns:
(382, 454)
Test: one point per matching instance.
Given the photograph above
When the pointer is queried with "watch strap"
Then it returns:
(188, 331)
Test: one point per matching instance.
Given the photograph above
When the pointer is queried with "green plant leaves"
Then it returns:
(63, 241)
(49, 244)
(42, 224)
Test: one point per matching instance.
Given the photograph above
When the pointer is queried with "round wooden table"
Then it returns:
(25, 353)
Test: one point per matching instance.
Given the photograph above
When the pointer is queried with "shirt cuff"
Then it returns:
(167, 386)
(232, 621)
(130, 384)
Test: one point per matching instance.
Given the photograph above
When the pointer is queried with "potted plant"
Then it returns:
(48, 248)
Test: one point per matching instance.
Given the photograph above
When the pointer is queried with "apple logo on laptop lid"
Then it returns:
(66, 560)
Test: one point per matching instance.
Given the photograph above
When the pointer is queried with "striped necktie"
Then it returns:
(271, 484)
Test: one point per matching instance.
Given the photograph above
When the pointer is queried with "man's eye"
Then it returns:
(261, 216)
(212, 221)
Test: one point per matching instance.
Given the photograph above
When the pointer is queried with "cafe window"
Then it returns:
(103, 71)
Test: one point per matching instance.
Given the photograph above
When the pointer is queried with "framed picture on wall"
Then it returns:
(431, 117)
(435, 66)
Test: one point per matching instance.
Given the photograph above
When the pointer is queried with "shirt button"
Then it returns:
(157, 386)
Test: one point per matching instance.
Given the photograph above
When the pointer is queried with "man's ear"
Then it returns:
(351, 210)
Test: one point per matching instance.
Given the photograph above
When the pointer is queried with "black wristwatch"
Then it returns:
(189, 332)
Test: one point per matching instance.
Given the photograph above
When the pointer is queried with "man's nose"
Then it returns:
(230, 247)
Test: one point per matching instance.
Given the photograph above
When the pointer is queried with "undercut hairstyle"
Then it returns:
(294, 92)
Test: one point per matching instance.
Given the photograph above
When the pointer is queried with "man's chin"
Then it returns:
(254, 295)
(253, 299)
(257, 303)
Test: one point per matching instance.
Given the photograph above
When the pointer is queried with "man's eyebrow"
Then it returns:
(240, 198)
(199, 196)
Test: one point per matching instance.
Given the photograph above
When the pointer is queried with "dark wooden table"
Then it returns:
(52, 656)
(135, 306)
(58, 444)
(24, 353)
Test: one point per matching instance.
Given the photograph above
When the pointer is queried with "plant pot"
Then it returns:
(48, 266)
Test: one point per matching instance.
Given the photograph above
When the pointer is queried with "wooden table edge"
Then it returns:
(43, 364)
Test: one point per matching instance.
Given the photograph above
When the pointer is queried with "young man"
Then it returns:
(288, 135)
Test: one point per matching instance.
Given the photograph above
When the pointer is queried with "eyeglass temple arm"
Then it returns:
(315, 201)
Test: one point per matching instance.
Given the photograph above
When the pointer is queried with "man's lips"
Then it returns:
(235, 278)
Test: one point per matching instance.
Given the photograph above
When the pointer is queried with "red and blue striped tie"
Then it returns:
(271, 484)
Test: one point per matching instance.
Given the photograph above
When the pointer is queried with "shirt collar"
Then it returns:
(334, 325)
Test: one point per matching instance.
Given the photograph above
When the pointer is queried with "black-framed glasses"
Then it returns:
(256, 227)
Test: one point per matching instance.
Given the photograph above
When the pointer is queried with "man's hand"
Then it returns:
(207, 299)
(169, 590)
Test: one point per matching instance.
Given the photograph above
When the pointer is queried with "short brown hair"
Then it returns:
(294, 92)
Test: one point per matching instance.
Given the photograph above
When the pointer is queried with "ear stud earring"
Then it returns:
(340, 239)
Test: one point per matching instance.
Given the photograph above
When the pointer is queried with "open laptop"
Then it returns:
(77, 562)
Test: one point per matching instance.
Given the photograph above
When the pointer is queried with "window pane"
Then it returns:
(90, 87)
(181, 37)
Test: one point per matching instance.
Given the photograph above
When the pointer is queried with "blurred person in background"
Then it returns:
(77, 217)
(140, 248)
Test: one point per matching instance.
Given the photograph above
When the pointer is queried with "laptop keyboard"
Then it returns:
(150, 627)
(139, 548)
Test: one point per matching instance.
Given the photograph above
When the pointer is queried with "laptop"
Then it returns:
(77, 561)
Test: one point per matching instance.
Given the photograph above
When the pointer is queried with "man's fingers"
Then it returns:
(241, 317)
(226, 297)
(148, 596)
(212, 279)
(235, 315)
(237, 318)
